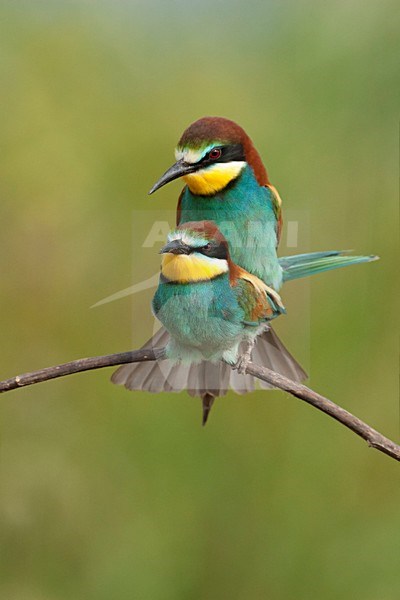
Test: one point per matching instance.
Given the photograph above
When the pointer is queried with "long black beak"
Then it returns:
(176, 247)
(177, 170)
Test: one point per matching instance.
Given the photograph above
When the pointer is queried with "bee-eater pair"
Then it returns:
(221, 274)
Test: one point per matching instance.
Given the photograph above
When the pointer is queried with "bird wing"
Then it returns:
(277, 206)
(258, 301)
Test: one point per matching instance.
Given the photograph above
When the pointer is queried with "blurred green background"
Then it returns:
(108, 494)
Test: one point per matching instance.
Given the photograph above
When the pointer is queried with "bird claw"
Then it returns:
(244, 360)
(241, 364)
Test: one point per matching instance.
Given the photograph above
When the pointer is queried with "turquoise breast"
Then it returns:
(203, 315)
(245, 215)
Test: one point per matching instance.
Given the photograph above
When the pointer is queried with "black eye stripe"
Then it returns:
(214, 250)
(228, 153)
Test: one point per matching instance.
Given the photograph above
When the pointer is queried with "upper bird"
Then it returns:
(226, 182)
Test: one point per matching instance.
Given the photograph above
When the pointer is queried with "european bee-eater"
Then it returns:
(227, 183)
(209, 305)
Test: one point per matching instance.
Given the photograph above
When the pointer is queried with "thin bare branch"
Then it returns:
(82, 364)
(370, 435)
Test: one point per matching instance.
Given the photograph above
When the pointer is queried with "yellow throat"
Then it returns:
(213, 179)
(183, 268)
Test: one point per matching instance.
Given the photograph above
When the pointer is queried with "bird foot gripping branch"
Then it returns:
(245, 358)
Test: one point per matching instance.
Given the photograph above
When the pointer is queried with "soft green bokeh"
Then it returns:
(107, 494)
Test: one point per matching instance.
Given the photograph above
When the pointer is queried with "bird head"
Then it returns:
(211, 153)
(195, 251)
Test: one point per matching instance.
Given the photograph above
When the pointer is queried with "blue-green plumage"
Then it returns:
(207, 303)
(204, 318)
(245, 214)
(304, 265)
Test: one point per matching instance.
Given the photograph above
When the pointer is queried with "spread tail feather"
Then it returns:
(206, 379)
(303, 265)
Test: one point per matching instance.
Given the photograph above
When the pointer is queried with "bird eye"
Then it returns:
(215, 153)
(206, 247)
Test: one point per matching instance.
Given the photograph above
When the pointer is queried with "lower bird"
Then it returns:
(196, 281)
(212, 308)
(209, 304)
